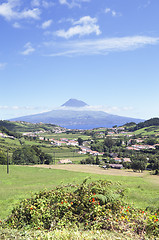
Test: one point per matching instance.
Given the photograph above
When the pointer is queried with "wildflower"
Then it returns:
(156, 214)
(71, 202)
(142, 211)
(62, 202)
(94, 194)
(93, 199)
(65, 201)
(127, 210)
(31, 208)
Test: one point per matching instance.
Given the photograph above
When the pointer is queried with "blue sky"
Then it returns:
(104, 52)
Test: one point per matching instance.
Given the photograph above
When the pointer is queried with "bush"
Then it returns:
(86, 206)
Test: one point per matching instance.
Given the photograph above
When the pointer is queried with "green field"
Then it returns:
(147, 131)
(23, 181)
(69, 136)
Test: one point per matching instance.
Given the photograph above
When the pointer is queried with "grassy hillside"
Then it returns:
(25, 126)
(148, 127)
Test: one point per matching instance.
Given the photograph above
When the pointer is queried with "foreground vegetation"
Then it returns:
(88, 206)
(22, 182)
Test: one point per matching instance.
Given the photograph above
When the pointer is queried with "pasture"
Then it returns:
(141, 189)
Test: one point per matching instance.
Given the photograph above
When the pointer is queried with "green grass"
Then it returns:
(23, 181)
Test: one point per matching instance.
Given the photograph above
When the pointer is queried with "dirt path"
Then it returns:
(94, 169)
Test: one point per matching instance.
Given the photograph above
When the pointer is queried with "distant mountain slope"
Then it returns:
(78, 119)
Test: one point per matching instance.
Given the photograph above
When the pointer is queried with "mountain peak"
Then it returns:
(74, 103)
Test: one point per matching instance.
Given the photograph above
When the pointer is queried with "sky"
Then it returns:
(103, 52)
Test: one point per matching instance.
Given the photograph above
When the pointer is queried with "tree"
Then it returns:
(97, 160)
(138, 165)
(25, 155)
(80, 141)
(108, 142)
(154, 164)
(30, 155)
(89, 160)
(3, 158)
(150, 141)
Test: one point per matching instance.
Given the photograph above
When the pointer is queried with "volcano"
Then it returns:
(75, 114)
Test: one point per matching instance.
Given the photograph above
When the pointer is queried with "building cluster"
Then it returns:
(85, 150)
(3, 135)
(138, 147)
(63, 141)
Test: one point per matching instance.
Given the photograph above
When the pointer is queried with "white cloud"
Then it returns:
(28, 49)
(107, 109)
(16, 25)
(107, 10)
(2, 65)
(10, 10)
(35, 3)
(85, 26)
(73, 3)
(30, 13)
(85, 20)
(47, 4)
(112, 12)
(100, 46)
(145, 5)
(43, 3)
(46, 24)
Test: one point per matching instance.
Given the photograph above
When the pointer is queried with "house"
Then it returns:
(72, 142)
(116, 166)
(113, 155)
(116, 159)
(64, 161)
(126, 160)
